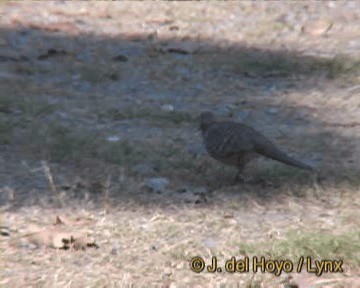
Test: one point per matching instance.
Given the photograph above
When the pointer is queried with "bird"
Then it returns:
(237, 144)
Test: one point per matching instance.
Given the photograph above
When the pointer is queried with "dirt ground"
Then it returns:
(104, 178)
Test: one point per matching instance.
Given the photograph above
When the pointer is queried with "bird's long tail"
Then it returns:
(274, 153)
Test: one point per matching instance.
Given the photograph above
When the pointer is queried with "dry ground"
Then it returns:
(97, 98)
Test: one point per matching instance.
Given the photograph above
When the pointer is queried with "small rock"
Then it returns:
(272, 110)
(157, 185)
(113, 138)
(167, 107)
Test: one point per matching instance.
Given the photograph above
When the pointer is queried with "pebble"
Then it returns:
(113, 138)
(272, 110)
(157, 185)
(167, 107)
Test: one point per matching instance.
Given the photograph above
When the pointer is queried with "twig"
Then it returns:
(50, 179)
(49, 176)
(353, 88)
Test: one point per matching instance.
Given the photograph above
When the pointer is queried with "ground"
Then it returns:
(100, 141)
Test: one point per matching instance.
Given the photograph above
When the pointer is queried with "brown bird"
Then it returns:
(237, 144)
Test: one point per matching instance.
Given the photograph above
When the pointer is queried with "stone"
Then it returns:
(167, 107)
(157, 185)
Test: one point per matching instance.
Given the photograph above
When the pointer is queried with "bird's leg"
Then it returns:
(239, 178)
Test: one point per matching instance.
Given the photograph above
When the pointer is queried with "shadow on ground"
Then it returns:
(105, 114)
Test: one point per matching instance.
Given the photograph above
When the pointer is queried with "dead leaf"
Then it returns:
(316, 27)
(229, 215)
(68, 27)
(62, 234)
(78, 221)
(160, 21)
(58, 239)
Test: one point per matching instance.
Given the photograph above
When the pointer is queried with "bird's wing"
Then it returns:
(234, 138)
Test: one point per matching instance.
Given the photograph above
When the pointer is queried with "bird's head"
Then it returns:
(206, 119)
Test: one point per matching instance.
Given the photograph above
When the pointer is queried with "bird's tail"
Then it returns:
(274, 153)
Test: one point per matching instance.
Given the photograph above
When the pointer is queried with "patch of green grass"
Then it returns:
(26, 106)
(7, 127)
(56, 142)
(33, 68)
(153, 117)
(262, 64)
(59, 143)
(317, 245)
(281, 171)
(21, 112)
(339, 67)
(99, 72)
(124, 152)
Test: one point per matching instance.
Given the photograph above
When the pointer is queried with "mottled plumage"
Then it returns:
(236, 143)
